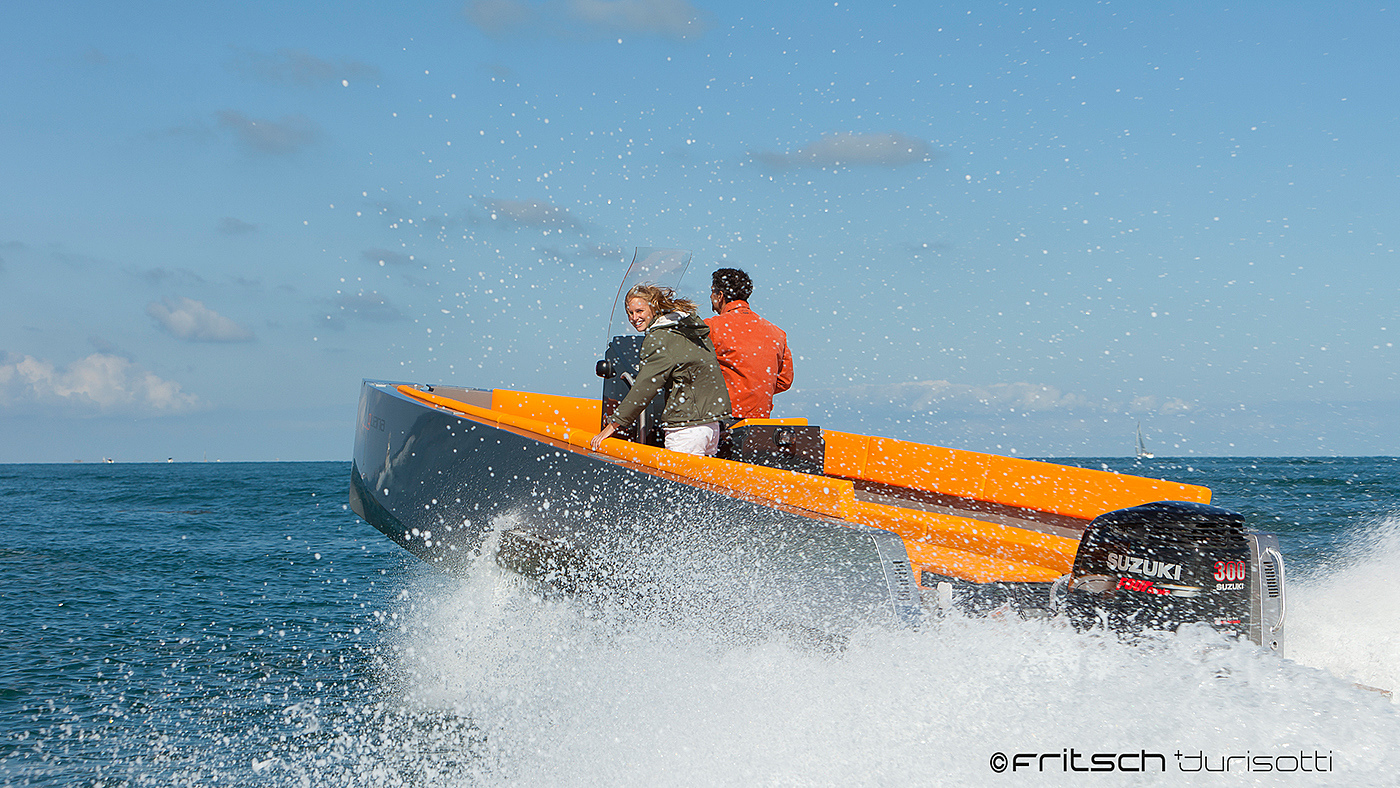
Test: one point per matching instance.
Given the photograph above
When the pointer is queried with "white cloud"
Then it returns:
(285, 135)
(574, 18)
(942, 396)
(367, 305)
(499, 17)
(603, 252)
(107, 382)
(673, 18)
(11, 246)
(1148, 404)
(535, 213)
(1176, 405)
(929, 395)
(299, 67)
(164, 277)
(231, 226)
(846, 149)
(388, 257)
(186, 318)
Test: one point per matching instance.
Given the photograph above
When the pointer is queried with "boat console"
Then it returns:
(618, 369)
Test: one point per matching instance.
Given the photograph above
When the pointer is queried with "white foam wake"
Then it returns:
(1347, 619)
(568, 692)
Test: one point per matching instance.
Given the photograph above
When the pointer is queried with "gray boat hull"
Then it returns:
(447, 487)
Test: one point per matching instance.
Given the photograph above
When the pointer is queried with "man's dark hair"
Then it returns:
(735, 284)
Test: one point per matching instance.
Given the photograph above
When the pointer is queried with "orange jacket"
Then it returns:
(754, 358)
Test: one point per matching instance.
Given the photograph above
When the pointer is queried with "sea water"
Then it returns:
(235, 624)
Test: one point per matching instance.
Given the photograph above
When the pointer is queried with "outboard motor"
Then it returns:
(1163, 564)
(618, 369)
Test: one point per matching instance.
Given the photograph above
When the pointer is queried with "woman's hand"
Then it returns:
(597, 442)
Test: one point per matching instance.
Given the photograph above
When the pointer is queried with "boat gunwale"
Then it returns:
(866, 479)
(631, 464)
(1015, 547)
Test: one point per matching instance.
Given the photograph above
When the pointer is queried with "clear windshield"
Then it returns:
(661, 267)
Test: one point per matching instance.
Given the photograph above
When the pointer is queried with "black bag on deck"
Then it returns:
(790, 447)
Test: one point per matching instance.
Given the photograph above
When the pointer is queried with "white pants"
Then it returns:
(699, 439)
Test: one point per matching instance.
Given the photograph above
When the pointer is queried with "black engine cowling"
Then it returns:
(1160, 565)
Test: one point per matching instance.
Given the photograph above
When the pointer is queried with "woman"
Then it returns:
(676, 352)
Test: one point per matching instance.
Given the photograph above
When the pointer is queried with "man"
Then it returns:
(753, 353)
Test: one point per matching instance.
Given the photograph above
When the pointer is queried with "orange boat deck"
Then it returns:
(961, 514)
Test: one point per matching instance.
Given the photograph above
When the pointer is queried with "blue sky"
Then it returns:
(1015, 228)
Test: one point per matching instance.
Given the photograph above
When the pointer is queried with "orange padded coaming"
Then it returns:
(932, 530)
(775, 422)
(1028, 484)
(977, 568)
(579, 413)
(845, 454)
(1078, 492)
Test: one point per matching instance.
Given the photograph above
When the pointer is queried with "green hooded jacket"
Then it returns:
(677, 352)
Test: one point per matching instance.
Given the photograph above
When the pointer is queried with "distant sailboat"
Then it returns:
(1142, 452)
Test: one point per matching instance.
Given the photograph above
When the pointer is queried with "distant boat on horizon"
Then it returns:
(1142, 452)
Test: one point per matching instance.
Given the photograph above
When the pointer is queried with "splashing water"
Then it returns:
(568, 692)
(1344, 620)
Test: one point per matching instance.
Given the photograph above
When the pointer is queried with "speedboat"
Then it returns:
(816, 528)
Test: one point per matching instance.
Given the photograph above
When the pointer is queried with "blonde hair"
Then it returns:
(662, 299)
